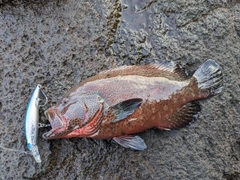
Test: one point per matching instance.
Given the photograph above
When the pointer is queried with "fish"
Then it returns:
(32, 122)
(121, 102)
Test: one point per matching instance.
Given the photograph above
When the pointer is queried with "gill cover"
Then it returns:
(80, 110)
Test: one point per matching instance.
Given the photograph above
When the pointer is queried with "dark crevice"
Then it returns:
(113, 22)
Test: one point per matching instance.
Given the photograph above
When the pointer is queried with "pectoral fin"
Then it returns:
(125, 108)
(133, 142)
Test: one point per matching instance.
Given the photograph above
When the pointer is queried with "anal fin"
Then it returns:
(186, 115)
(133, 142)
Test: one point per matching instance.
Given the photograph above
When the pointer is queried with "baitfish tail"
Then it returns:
(34, 149)
(209, 78)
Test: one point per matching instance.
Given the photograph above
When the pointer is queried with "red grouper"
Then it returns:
(130, 99)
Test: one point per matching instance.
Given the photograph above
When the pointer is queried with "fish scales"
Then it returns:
(120, 88)
(127, 100)
(149, 118)
(163, 68)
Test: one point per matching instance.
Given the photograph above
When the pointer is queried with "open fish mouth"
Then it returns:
(57, 122)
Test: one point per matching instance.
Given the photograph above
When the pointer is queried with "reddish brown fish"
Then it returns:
(126, 100)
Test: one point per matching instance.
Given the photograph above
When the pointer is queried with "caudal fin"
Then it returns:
(209, 77)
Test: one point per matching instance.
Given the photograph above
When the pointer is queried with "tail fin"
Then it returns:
(209, 77)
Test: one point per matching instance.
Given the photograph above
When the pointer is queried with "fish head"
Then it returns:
(70, 114)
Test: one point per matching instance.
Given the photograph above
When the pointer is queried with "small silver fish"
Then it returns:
(31, 122)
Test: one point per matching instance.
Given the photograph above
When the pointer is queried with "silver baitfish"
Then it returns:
(31, 122)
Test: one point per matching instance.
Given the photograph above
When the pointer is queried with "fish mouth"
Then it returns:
(57, 122)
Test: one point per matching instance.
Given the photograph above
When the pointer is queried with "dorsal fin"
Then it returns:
(163, 68)
(117, 69)
(171, 68)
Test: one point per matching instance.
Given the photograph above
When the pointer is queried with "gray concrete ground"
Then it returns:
(60, 45)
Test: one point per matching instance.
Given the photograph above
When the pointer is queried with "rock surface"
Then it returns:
(60, 44)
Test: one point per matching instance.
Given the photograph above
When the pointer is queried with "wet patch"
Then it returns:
(135, 14)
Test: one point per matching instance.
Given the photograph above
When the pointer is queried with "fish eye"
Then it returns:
(64, 101)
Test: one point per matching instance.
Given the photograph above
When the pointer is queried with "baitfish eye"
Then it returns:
(64, 101)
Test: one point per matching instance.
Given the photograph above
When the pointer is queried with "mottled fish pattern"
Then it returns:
(120, 102)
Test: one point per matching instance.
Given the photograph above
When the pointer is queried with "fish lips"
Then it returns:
(58, 124)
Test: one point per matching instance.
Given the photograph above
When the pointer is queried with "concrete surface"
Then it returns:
(58, 45)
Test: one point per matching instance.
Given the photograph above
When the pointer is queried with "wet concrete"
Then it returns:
(62, 44)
